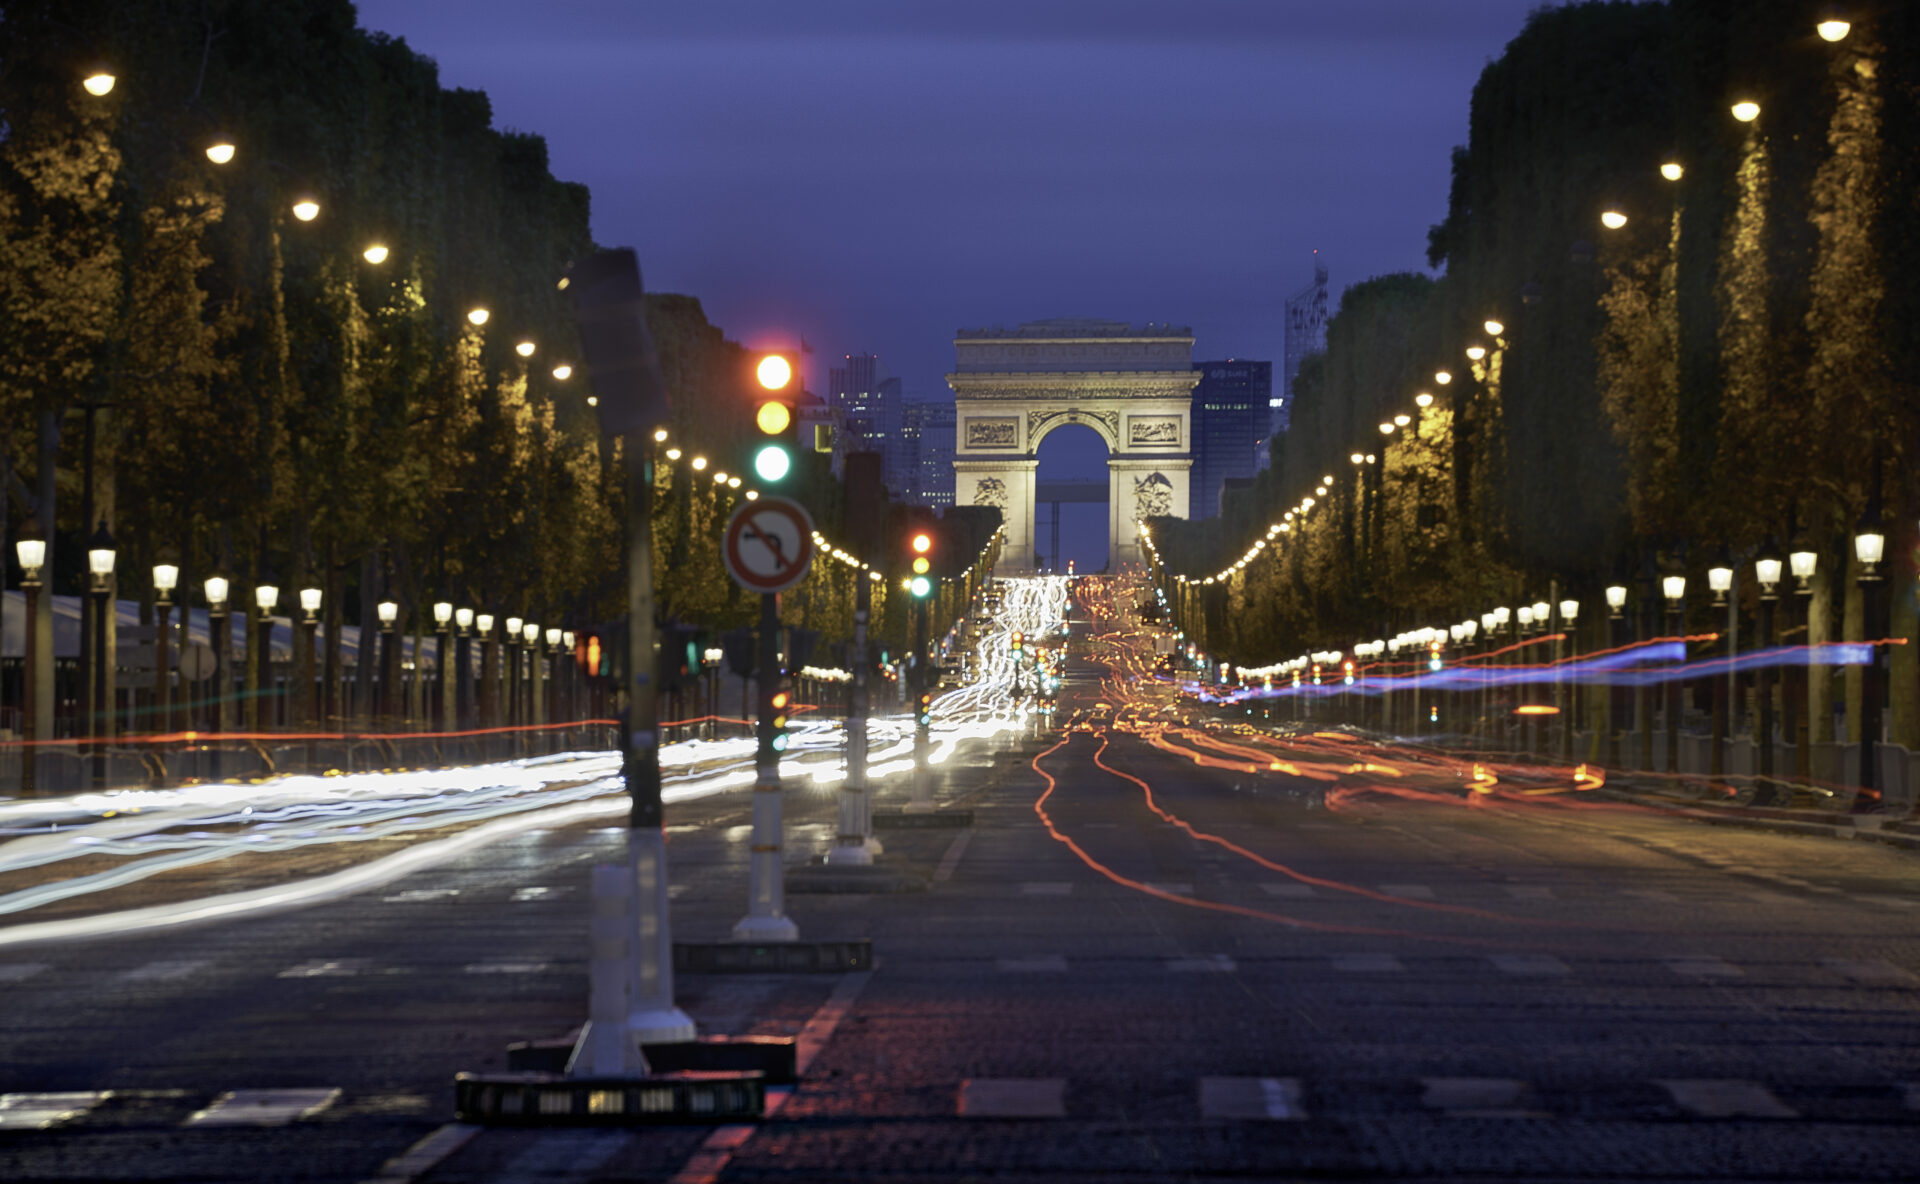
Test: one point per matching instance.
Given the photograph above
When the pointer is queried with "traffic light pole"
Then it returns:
(766, 918)
(922, 797)
(854, 844)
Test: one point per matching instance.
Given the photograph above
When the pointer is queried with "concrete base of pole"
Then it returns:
(855, 854)
(751, 928)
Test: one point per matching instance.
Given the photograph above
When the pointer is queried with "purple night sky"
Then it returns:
(874, 175)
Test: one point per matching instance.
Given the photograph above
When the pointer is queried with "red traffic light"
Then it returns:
(922, 543)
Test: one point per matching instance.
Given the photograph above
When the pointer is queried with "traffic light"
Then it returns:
(926, 708)
(920, 544)
(778, 713)
(1019, 642)
(773, 416)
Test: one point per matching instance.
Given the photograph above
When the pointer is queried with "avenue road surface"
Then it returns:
(1170, 947)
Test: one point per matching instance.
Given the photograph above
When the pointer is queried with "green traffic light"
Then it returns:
(921, 585)
(772, 463)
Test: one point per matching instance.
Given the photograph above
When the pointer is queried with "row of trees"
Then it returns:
(1729, 365)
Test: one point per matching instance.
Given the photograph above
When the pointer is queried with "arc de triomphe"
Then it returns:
(1131, 384)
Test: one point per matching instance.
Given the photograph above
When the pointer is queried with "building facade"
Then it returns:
(1231, 421)
(926, 441)
(868, 408)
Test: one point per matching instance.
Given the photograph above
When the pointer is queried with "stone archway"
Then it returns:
(1133, 385)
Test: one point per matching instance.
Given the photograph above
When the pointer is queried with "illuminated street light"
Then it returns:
(1675, 589)
(524, 349)
(1616, 599)
(659, 435)
(1357, 458)
(220, 151)
(1746, 111)
(376, 253)
(1612, 219)
(673, 454)
(99, 82)
(1672, 170)
(1833, 26)
(1801, 562)
(477, 316)
(1443, 377)
(1386, 429)
(699, 464)
(563, 372)
(1476, 352)
(1720, 581)
(1401, 421)
(306, 209)
(1869, 544)
(1423, 399)
(1495, 328)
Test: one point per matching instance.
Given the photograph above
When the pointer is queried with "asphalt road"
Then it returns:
(1152, 957)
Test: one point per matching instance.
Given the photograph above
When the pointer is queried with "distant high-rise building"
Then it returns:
(869, 408)
(1306, 334)
(1230, 423)
(927, 440)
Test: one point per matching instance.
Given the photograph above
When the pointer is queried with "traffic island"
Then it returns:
(773, 1058)
(550, 1099)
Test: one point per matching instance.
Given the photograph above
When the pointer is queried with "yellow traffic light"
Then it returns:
(773, 417)
(920, 566)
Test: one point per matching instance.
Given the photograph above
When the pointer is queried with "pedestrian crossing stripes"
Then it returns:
(263, 1107)
(32, 1112)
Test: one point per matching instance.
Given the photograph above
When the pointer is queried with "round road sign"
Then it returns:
(769, 544)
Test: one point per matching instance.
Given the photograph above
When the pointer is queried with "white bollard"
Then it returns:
(607, 1046)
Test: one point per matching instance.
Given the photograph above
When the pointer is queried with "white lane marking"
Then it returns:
(1013, 1097)
(32, 1112)
(706, 1164)
(505, 967)
(1478, 1097)
(1207, 964)
(1046, 888)
(1408, 891)
(950, 862)
(1704, 966)
(1871, 971)
(1368, 963)
(423, 1156)
(263, 1107)
(1530, 892)
(1251, 1097)
(1722, 1098)
(166, 970)
(1038, 964)
(1289, 889)
(413, 895)
(20, 972)
(327, 968)
(1537, 965)
(536, 892)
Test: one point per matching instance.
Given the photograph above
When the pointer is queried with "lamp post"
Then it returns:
(389, 613)
(1720, 582)
(512, 643)
(536, 707)
(462, 668)
(100, 556)
(310, 599)
(31, 548)
(442, 658)
(166, 577)
(1570, 710)
(1766, 569)
(1802, 562)
(220, 636)
(1616, 625)
(488, 700)
(1674, 587)
(1869, 545)
(266, 595)
(553, 677)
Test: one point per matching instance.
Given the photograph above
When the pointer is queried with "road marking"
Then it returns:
(1872, 971)
(263, 1107)
(1368, 963)
(1207, 964)
(1408, 891)
(1529, 891)
(20, 972)
(1537, 965)
(32, 1112)
(1013, 1097)
(1039, 964)
(950, 861)
(1478, 1097)
(505, 967)
(1289, 889)
(423, 1156)
(1251, 1097)
(1704, 966)
(324, 968)
(706, 1164)
(413, 895)
(166, 970)
(1046, 888)
(536, 892)
(1727, 1099)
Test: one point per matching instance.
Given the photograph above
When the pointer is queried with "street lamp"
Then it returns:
(524, 349)
(1423, 399)
(1494, 328)
(1746, 110)
(31, 548)
(306, 209)
(309, 624)
(1766, 569)
(1833, 25)
(489, 701)
(511, 640)
(1869, 544)
(266, 596)
(1674, 587)
(1616, 600)
(98, 82)
(376, 253)
(1672, 169)
(100, 557)
(220, 150)
(563, 372)
(1443, 377)
(389, 613)
(166, 577)
(477, 317)
(1612, 219)
(443, 658)
(1720, 582)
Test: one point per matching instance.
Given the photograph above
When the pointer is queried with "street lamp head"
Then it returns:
(463, 617)
(1370, 458)
(310, 601)
(477, 316)
(1443, 377)
(483, 623)
(1423, 399)
(1542, 611)
(719, 476)
(1833, 25)
(1476, 352)
(1675, 589)
(513, 628)
(1402, 420)
(1494, 328)
(376, 253)
(524, 349)
(699, 464)
(266, 595)
(566, 639)
(1746, 110)
(100, 552)
(1358, 458)
(562, 372)
(217, 587)
(389, 612)
(1468, 628)
(1616, 598)
(1612, 219)
(1869, 543)
(1569, 610)
(1526, 615)
(442, 612)
(673, 454)
(98, 82)
(531, 632)
(221, 150)
(553, 638)
(659, 435)
(1386, 429)
(1502, 615)
(1720, 581)
(306, 209)
(31, 548)
(1802, 562)
(166, 577)
(1488, 622)
(1672, 169)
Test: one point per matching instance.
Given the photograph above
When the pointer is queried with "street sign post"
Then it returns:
(769, 544)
